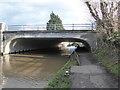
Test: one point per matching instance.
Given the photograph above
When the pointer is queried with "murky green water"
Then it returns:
(31, 69)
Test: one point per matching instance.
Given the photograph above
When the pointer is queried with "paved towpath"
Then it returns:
(90, 74)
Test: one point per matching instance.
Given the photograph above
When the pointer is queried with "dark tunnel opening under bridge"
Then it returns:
(28, 44)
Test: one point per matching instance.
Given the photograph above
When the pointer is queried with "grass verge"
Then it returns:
(60, 80)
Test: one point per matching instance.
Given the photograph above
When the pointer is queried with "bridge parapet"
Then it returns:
(23, 37)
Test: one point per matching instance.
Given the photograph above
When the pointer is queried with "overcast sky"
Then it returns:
(38, 11)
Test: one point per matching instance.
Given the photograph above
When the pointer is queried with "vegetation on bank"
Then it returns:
(106, 16)
(108, 52)
(61, 80)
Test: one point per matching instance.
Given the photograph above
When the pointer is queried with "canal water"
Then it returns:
(32, 69)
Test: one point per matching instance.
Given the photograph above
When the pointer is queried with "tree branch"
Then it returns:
(92, 11)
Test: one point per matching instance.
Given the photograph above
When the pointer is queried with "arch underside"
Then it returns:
(26, 44)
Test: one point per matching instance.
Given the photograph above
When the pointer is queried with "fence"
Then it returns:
(55, 26)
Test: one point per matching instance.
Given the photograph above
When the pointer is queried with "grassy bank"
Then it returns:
(108, 55)
(60, 80)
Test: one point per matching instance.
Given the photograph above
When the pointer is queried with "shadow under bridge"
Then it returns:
(27, 44)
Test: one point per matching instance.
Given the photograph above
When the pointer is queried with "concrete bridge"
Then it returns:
(25, 40)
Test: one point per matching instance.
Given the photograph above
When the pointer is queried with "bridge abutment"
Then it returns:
(2, 28)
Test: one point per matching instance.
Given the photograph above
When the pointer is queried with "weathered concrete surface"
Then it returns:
(91, 75)
(15, 41)
(88, 69)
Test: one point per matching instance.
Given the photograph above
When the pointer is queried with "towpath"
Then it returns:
(90, 74)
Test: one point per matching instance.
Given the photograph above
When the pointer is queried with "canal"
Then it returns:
(32, 69)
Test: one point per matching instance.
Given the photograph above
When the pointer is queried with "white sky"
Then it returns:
(38, 11)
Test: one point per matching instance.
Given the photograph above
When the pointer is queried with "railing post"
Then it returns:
(54, 26)
(92, 26)
(22, 27)
(72, 26)
(37, 27)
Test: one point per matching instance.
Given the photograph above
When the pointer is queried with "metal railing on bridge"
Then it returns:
(53, 26)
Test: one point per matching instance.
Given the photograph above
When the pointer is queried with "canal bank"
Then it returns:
(62, 78)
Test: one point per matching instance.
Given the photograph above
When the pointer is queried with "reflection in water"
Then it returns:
(31, 69)
(1, 76)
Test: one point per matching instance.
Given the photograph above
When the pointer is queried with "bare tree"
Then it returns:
(118, 16)
(104, 15)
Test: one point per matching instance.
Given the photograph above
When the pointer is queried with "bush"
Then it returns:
(107, 55)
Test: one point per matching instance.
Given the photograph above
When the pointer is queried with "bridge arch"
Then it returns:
(26, 44)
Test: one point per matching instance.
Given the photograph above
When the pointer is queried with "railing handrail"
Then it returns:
(44, 26)
(58, 24)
